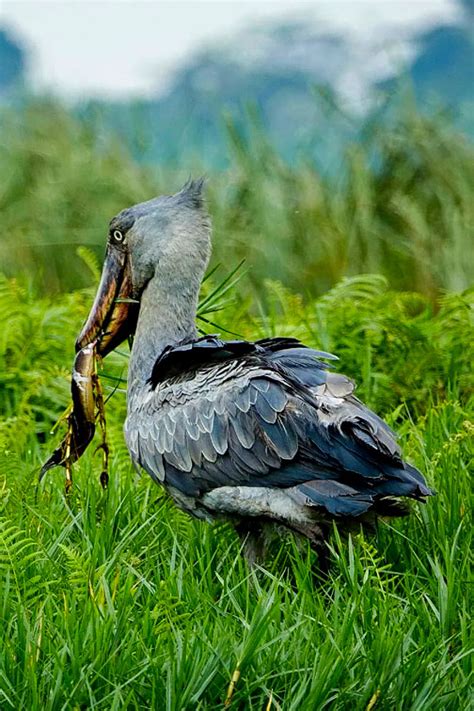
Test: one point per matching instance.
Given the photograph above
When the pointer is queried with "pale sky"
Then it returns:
(123, 47)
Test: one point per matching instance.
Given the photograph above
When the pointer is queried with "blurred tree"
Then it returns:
(468, 5)
(276, 68)
(12, 61)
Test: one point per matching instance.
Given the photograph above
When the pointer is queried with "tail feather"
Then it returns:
(337, 498)
(382, 497)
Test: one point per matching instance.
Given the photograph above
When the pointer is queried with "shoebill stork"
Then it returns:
(257, 433)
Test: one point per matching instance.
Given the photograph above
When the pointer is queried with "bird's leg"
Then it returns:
(317, 535)
(322, 550)
(262, 503)
(250, 532)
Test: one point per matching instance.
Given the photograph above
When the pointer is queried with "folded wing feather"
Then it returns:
(266, 414)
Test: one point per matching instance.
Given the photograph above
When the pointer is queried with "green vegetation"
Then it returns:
(402, 205)
(117, 600)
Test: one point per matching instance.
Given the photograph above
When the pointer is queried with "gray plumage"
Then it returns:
(259, 431)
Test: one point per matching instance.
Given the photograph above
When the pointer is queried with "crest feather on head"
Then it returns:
(192, 192)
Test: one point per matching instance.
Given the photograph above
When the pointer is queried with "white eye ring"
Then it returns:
(118, 236)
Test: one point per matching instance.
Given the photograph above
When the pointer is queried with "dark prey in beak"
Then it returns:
(112, 319)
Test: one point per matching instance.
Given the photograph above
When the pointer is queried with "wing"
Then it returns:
(272, 416)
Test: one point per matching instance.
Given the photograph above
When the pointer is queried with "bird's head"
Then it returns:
(168, 236)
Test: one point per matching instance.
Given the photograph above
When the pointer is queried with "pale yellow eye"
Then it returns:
(117, 236)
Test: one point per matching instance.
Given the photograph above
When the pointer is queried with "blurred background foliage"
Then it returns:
(400, 205)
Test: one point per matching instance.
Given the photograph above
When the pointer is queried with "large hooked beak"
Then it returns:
(113, 316)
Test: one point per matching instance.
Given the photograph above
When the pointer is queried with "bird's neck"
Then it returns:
(167, 317)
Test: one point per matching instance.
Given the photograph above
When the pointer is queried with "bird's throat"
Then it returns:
(167, 317)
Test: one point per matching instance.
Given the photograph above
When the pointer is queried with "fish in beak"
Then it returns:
(112, 319)
(81, 419)
(114, 313)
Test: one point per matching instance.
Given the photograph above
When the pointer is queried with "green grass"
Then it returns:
(117, 600)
